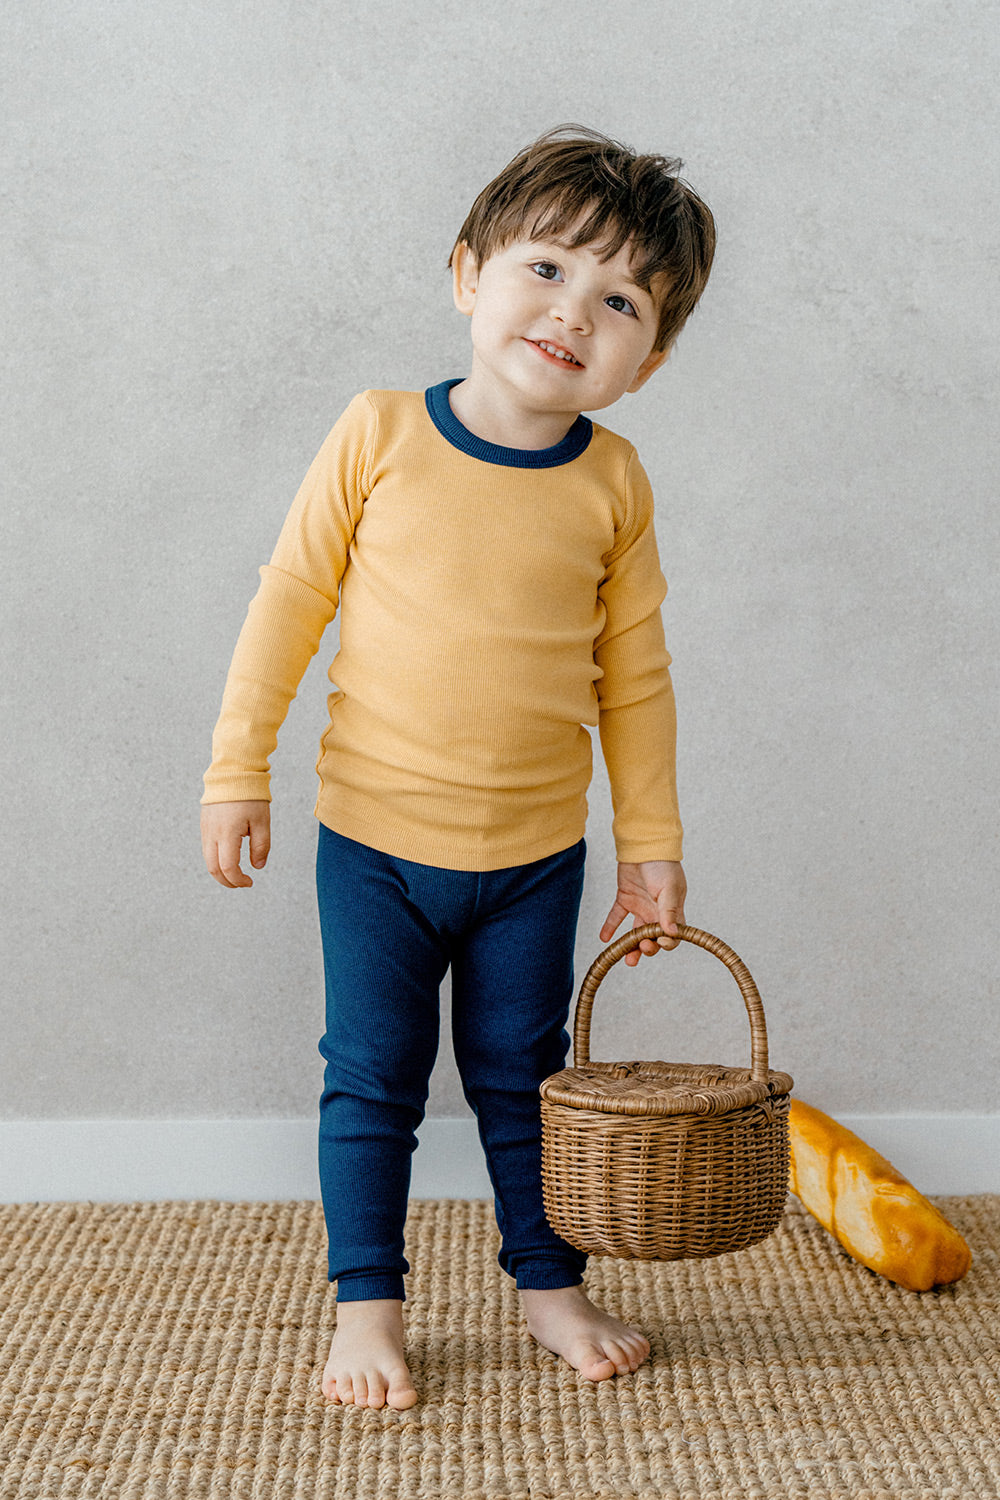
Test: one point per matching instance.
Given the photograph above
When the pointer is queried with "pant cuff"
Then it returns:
(546, 1278)
(371, 1287)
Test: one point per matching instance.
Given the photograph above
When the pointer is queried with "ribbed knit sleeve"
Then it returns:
(297, 599)
(637, 724)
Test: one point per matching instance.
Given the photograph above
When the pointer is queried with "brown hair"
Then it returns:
(575, 176)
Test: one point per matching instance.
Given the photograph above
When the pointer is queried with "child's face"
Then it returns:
(538, 293)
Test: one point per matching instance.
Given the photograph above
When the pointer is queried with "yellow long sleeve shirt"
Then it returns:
(494, 601)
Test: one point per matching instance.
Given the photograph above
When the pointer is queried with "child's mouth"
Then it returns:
(556, 355)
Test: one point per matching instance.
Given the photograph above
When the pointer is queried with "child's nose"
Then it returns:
(573, 315)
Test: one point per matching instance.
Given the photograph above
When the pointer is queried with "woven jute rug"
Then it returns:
(175, 1349)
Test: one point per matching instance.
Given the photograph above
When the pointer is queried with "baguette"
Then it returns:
(878, 1217)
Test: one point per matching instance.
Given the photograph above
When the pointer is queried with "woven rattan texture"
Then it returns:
(174, 1349)
(664, 1187)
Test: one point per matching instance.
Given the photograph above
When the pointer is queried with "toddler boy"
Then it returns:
(492, 553)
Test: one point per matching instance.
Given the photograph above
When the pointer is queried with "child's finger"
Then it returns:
(260, 844)
(229, 862)
(669, 917)
(613, 921)
(648, 946)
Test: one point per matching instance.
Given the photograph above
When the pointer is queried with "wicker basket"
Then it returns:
(665, 1161)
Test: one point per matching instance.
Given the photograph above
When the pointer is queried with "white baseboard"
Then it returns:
(125, 1161)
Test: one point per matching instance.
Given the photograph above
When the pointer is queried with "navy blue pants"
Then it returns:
(391, 928)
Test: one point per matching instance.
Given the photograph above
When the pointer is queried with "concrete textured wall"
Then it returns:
(223, 221)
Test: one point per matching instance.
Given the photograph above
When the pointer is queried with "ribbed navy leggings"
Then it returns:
(391, 928)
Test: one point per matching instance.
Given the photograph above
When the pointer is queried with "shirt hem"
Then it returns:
(401, 842)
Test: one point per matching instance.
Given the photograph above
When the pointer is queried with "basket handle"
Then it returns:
(630, 940)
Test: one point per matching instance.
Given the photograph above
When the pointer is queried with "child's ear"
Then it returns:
(649, 366)
(465, 278)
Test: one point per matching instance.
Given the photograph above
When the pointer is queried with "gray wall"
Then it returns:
(224, 220)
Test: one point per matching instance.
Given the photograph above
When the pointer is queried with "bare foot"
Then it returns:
(366, 1365)
(595, 1343)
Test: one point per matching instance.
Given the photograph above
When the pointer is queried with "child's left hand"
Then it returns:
(651, 892)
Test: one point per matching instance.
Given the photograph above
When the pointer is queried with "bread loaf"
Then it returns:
(868, 1206)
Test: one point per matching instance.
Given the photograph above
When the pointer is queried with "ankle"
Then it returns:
(530, 1294)
(388, 1310)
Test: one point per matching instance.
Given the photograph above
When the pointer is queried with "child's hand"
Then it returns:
(650, 892)
(224, 826)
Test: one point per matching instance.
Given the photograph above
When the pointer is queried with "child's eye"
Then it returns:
(626, 305)
(546, 269)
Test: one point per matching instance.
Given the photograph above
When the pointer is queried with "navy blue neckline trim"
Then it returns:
(446, 422)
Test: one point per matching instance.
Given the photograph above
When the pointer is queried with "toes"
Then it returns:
(613, 1353)
(338, 1389)
(613, 1357)
(401, 1395)
(637, 1349)
(595, 1363)
(371, 1388)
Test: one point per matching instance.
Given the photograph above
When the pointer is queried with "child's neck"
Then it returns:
(493, 414)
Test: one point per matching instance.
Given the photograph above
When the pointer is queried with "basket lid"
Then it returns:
(659, 1088)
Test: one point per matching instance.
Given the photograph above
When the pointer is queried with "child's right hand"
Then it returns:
(224, 826)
